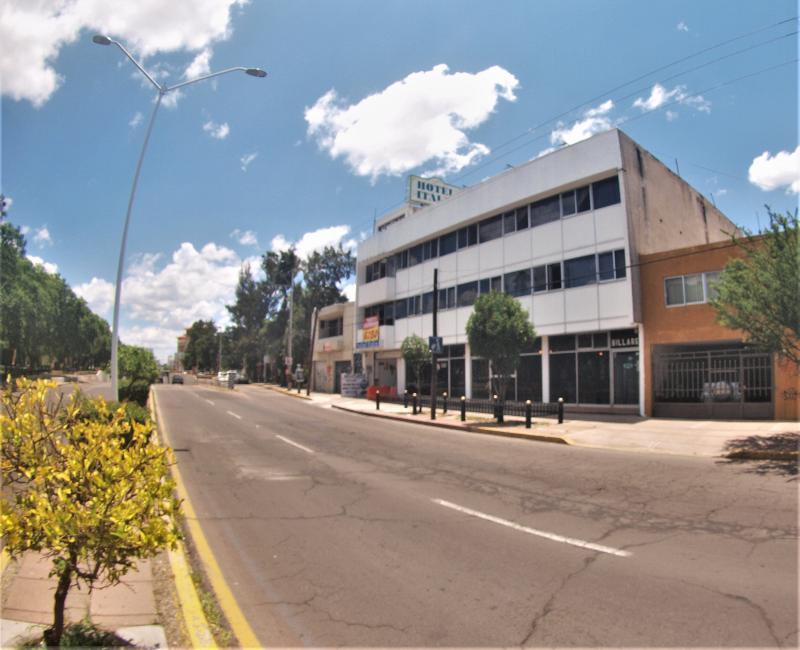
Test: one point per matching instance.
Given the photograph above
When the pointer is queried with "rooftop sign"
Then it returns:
(426, 191)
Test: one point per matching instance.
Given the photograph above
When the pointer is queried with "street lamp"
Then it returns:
(162, 89)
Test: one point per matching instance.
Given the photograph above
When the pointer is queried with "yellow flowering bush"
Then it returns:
(91, 491)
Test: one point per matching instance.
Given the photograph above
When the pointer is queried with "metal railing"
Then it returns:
(474, 405)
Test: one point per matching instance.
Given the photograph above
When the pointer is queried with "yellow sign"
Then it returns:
(371, 329)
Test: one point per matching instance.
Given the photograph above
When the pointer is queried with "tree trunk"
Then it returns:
(52, 635)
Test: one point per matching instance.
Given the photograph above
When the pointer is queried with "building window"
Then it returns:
(562, 377)
(400, 309)
(480, 379)
(468, 236)
(545, 211)
(447, 298)
(414, 305)
(562, 343)
(582, 200)
(427, 302)
(611, 265)
(490, 228)
(568, 203)
(467, 293)
(415, 255)
(509, 223)
(518, 283)
(605, 193)
(579, 271)
(594, 377)
(430, 249)
(448, 243)
(522, 217)
(692, 289)
(491, 284)
(331, 327)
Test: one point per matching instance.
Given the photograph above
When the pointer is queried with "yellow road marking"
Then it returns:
(241, 628)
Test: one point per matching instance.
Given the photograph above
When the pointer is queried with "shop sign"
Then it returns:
(429, 190)
(371, 330)
(363, 345)
(625, 339)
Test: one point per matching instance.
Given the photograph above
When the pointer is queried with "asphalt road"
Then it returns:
(336, 529)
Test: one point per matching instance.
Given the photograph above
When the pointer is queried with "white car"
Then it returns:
(227, 377)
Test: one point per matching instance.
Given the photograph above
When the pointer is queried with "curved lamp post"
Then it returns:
(162, 89)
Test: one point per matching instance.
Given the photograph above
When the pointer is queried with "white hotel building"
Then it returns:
(563, 234)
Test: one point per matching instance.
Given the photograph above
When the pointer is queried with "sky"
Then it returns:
(358, 96)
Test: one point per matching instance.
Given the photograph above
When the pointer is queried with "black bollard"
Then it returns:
(414, 404)
(561, 410)
(463, 408)
(527, 414)
(377, 400)
(444, 405)
(405, 399)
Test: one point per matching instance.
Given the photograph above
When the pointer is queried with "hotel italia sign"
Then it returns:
(427, 191)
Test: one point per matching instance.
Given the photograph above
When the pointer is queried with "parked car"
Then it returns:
(177, 379)
(227, 377)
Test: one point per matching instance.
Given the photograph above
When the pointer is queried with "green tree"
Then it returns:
(760, 293)
(499, 330)
(416, 355)
(202, 346)
(138, 369)
(91, 492)
(247, 315)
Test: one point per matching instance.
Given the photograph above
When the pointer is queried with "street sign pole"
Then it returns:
(434, 369)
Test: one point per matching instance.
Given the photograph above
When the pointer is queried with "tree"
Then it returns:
(138, 369)
(323, 272)
(91, 492)
(499, 330)
(760, 293)
(202, 346)
(416, 355)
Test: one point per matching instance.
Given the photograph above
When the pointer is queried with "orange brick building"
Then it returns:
(693, 366)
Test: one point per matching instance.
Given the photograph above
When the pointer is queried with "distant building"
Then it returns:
(333, 346)
(177, 364)
(564, 234)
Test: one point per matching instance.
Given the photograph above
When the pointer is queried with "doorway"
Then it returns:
(626, 377)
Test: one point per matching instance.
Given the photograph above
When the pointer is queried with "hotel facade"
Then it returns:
(564, 234)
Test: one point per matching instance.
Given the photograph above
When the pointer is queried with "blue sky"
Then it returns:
(359, 95)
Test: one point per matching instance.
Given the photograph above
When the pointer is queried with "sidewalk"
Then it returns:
(743, 439)
(128, 608)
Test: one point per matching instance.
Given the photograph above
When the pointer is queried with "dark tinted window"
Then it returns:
(509, 222)
(619, 263)
(545, 211)
(415, 255)
(400, 309)
(522, 217)
(491, 284)
(467, 293)
(491, 228)
(605, 266)
(518, 283)
(427, 302)
(448, 243)
(601, 340)
(563, 378)
(582, 199)
(540, 278)
(584, 340)
(554, 275)
(568, 203)
(468, 236)
(605, 192)
(402, 260)
(561, 343)
(579, 271)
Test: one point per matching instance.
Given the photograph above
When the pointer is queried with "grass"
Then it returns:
(214, 616)
(82, 635)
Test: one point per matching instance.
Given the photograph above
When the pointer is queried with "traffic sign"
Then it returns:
(435, 345)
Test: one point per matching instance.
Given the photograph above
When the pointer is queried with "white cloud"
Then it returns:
(315, 240)
(136, 120)
(47, 266)
(41, 237)
(245, 238)
(671, 116)
(217, 131)
(682, 27)
(171, 99)
(247, 159)
(417, 120)
(659, 96)
(722, 191)
(24, 229)
(595, 120)
(34, 31)
(770, 172)
(200, 65)
(98, 294)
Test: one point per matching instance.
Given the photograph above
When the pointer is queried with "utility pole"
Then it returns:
(219, 353)
(289, 344)
(311, 351)
(435, 332)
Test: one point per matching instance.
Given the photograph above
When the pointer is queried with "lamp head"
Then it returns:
(256, 72)
(99, 39)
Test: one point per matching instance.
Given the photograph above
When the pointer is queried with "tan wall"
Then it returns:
(336, 348)
(665, 211)
(698, 323)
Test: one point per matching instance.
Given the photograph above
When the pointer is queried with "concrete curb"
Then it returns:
(288, 393)
(457, 427)
(227, 602)
(196, 624)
